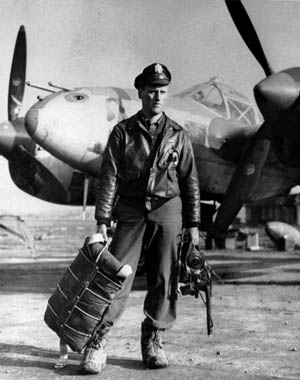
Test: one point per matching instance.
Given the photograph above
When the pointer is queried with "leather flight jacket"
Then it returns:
(138, 171)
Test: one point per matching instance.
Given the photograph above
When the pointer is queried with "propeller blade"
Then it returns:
(244, 180)
(246, 29)
(32, 176)
(12, 134)
(17, 76)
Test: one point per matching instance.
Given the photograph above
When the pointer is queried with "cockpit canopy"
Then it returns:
(223, 100)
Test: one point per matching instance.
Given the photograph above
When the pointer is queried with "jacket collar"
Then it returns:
(169, 123)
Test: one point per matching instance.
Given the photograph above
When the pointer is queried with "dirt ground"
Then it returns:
(255, 313)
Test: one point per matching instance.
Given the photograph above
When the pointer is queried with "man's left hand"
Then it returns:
(194, 235)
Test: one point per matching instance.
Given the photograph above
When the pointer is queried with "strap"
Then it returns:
(107, 243)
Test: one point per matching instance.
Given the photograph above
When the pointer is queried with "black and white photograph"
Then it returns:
(150, 189)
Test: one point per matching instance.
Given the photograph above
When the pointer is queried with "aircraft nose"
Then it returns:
(73, 119)
(31, 120)
(7, 138)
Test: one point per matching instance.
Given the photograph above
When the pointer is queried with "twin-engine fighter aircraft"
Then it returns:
(56, 152)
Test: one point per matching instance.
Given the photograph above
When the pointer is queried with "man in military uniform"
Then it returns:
(149, 165)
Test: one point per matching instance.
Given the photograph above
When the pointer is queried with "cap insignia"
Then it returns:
(158, 68)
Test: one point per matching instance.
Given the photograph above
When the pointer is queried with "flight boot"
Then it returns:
(94, 360)
(153, 354)
(94, 357)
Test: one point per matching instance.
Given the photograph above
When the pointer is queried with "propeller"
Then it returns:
(17, 76)
(277, 98)
(246, 29)
(17, 146)
(33, 177)
(13, 131)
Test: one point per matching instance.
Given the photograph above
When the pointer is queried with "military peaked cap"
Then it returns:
(154, 74)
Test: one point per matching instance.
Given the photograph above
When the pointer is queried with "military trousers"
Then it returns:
(156, 234)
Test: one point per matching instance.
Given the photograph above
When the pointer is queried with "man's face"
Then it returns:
(153, 99)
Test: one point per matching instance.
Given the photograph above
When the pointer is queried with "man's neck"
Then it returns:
(153, 118)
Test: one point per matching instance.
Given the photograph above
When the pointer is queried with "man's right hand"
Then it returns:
(102, 229)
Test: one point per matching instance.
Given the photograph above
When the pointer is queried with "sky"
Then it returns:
(77, 43)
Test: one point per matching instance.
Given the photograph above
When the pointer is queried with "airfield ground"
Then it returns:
(255, 312)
